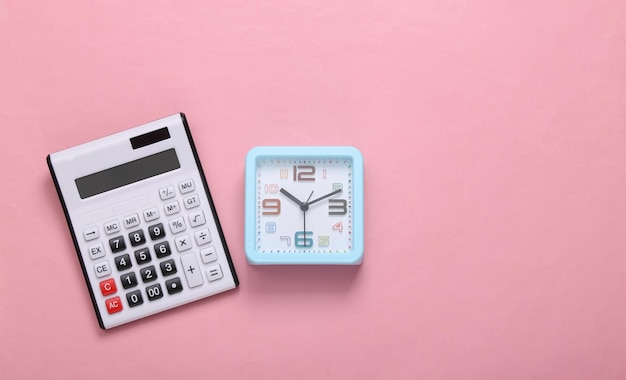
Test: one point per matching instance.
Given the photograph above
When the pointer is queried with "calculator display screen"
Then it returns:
(127, 173)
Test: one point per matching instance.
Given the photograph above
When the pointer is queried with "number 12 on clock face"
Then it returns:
(304, 205)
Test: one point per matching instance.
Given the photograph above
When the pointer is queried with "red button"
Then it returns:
(114, 305)
(108, 287)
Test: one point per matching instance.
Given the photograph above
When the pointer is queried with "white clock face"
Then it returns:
(304, 205)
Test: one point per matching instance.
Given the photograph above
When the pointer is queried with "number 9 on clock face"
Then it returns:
(304, 205)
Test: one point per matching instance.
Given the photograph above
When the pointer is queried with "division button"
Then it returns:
(191, 269)
(203, 236)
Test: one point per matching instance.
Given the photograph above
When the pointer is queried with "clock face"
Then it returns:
(304, 205)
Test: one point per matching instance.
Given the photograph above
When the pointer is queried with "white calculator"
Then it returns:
(143, 222)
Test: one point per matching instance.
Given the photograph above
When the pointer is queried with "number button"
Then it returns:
(168, 267)
(136, 238)
(154, 292)
(128, 280)
(117, 244)
(148, 274)
(174, 286)
(123, 262)
(156, 232)
(143, 256)
(134, 298)
(162, 249)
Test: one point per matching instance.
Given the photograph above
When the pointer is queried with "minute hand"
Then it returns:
(324, 197)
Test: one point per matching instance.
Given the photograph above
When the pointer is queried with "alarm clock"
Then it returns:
(304, 205)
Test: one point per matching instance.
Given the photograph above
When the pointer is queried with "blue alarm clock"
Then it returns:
(304, 205)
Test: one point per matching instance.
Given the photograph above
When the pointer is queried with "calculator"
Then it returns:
(143, 221)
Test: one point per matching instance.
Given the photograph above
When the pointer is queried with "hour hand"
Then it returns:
(291, 196)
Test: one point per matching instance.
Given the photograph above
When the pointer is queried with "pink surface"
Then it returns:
(493, 134)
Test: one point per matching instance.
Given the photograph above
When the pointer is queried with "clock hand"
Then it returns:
(304, 207)
(292, 197)
(323, 197)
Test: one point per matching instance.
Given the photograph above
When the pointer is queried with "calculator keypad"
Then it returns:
(142, 254)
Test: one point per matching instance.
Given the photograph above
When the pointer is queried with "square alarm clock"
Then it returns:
(142, 220)
(304, 205)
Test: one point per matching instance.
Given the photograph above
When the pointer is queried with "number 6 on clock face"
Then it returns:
(304, 205)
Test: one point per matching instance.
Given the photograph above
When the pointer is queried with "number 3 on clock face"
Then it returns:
(304, 205)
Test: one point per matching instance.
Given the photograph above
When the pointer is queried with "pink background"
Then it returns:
(494, 138)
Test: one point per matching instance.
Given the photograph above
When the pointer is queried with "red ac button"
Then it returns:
(114, 305)
(108, 287)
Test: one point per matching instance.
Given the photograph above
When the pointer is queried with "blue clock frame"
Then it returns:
(254, 256)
